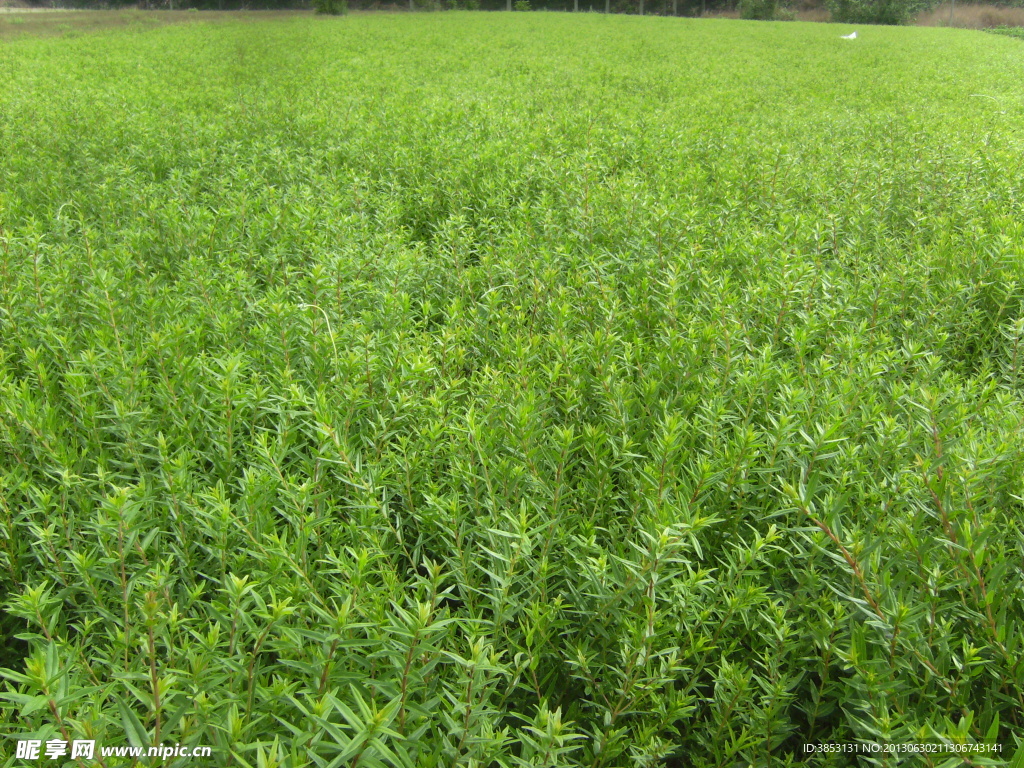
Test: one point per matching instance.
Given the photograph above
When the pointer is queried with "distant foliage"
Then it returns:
(331, 7)
(762, 10)
(875, 11)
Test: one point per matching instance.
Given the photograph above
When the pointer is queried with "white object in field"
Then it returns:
(851, 36)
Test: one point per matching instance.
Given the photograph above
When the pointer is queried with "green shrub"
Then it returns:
(331, 7)
(760, 10)
(522, 5)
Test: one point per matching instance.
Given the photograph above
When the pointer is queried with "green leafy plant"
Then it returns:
(512, 390)
(1010, 31)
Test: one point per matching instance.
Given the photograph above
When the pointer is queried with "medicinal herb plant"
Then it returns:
(513, 390)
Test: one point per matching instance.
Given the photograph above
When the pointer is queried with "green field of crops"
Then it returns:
(499, 390)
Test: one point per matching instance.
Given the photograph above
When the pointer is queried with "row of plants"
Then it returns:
(1010, 31)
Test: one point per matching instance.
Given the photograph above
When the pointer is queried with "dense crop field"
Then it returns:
(513, 390)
